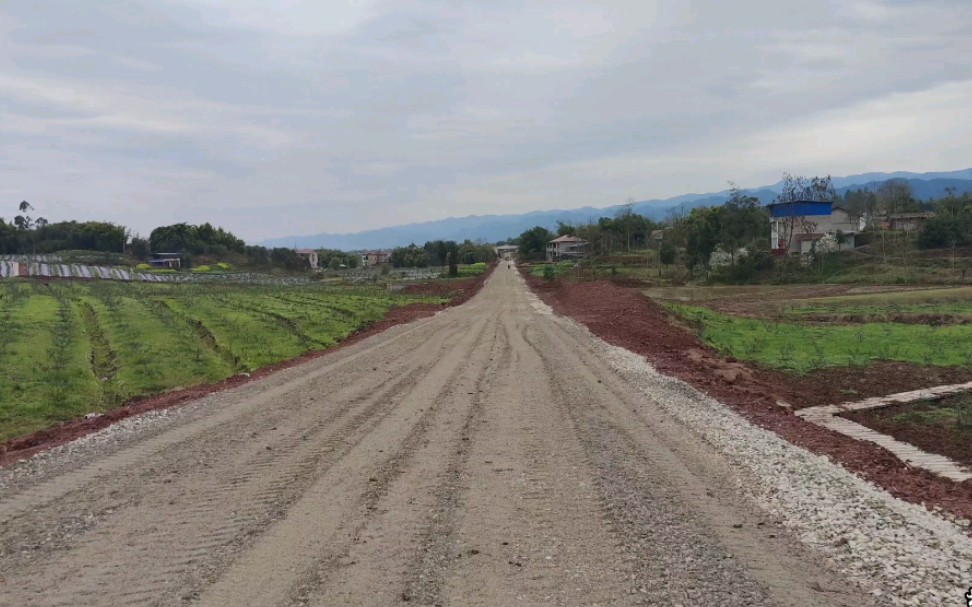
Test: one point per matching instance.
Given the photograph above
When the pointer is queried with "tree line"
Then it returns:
(623, 233)
(26, 235)
(440, 253)
(735, 237)
(29, 235)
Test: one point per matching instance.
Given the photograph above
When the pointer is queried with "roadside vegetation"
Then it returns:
(472, 270)
(71, 348)
(552, 270)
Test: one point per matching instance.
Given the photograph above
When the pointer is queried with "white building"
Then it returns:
(310, 255)
(565, 247)
(795, 226)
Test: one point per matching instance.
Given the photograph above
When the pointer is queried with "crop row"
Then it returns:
(801, 347)
(68, 349)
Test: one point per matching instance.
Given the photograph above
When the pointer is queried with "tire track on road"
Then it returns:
(670, 497)
(248, 400)
(187, 551)
(302, 549)
(531, 531)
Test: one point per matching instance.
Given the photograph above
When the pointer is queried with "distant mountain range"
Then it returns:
(493, 228)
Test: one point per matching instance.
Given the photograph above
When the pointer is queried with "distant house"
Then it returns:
(907, 222)
(375, 258)
(310, 255)
(506, 251)
(795, 226)
(656, 237)
(565, 247)
(170, 261)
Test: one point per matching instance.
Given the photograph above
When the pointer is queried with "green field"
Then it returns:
(806, 346)
(950, 302)
(472, 270)
(72, 348)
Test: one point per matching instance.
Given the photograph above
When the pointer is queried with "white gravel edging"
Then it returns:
(893, 549)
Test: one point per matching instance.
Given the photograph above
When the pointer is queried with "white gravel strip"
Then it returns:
(893, 549)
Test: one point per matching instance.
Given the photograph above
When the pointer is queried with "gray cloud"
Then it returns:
(299, 117)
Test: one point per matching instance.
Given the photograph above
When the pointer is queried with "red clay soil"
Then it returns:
(625, 317)
(23, 447)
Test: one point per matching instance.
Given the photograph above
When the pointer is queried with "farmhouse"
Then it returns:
(171, 261)
(565, 247)
(907, 222)
(375, 258)
(506, 251)
(795, 226)
(310, 255)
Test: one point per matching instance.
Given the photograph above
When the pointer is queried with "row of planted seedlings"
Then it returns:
(803, 347)
(44, 372)
(221, 330)
(12, 296)
(70, 348)
(156, 349)
(316, 317)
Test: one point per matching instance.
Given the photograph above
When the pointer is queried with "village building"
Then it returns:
(656, 237)
(506, 251)
(796, 226)
(565, 247)
(375, 258)
(907, 222)
(169, 261)
(311, 255)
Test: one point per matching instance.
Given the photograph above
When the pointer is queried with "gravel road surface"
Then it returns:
(491, 455)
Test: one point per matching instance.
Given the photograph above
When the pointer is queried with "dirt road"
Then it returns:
(486, 456)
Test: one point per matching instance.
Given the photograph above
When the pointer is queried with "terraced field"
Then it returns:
(68, 348)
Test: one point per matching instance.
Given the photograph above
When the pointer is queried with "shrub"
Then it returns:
(143, 266)
(719, 258)
(763, 260)
(548, 272)
(201, 269)
(828, 244)
(667, 254)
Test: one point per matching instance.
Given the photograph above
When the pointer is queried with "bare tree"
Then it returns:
(624, 215)
(893, 196)
(800, 189)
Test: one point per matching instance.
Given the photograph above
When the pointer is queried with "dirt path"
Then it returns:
(485, 456)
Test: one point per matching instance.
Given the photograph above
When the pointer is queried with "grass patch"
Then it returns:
(956, 302)
(72, 348)
(560, 268)
(472, 270)
(799, 347)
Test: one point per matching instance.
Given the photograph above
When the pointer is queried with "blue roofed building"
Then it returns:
(795, 226)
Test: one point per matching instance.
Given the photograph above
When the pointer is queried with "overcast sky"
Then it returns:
(280, 117)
